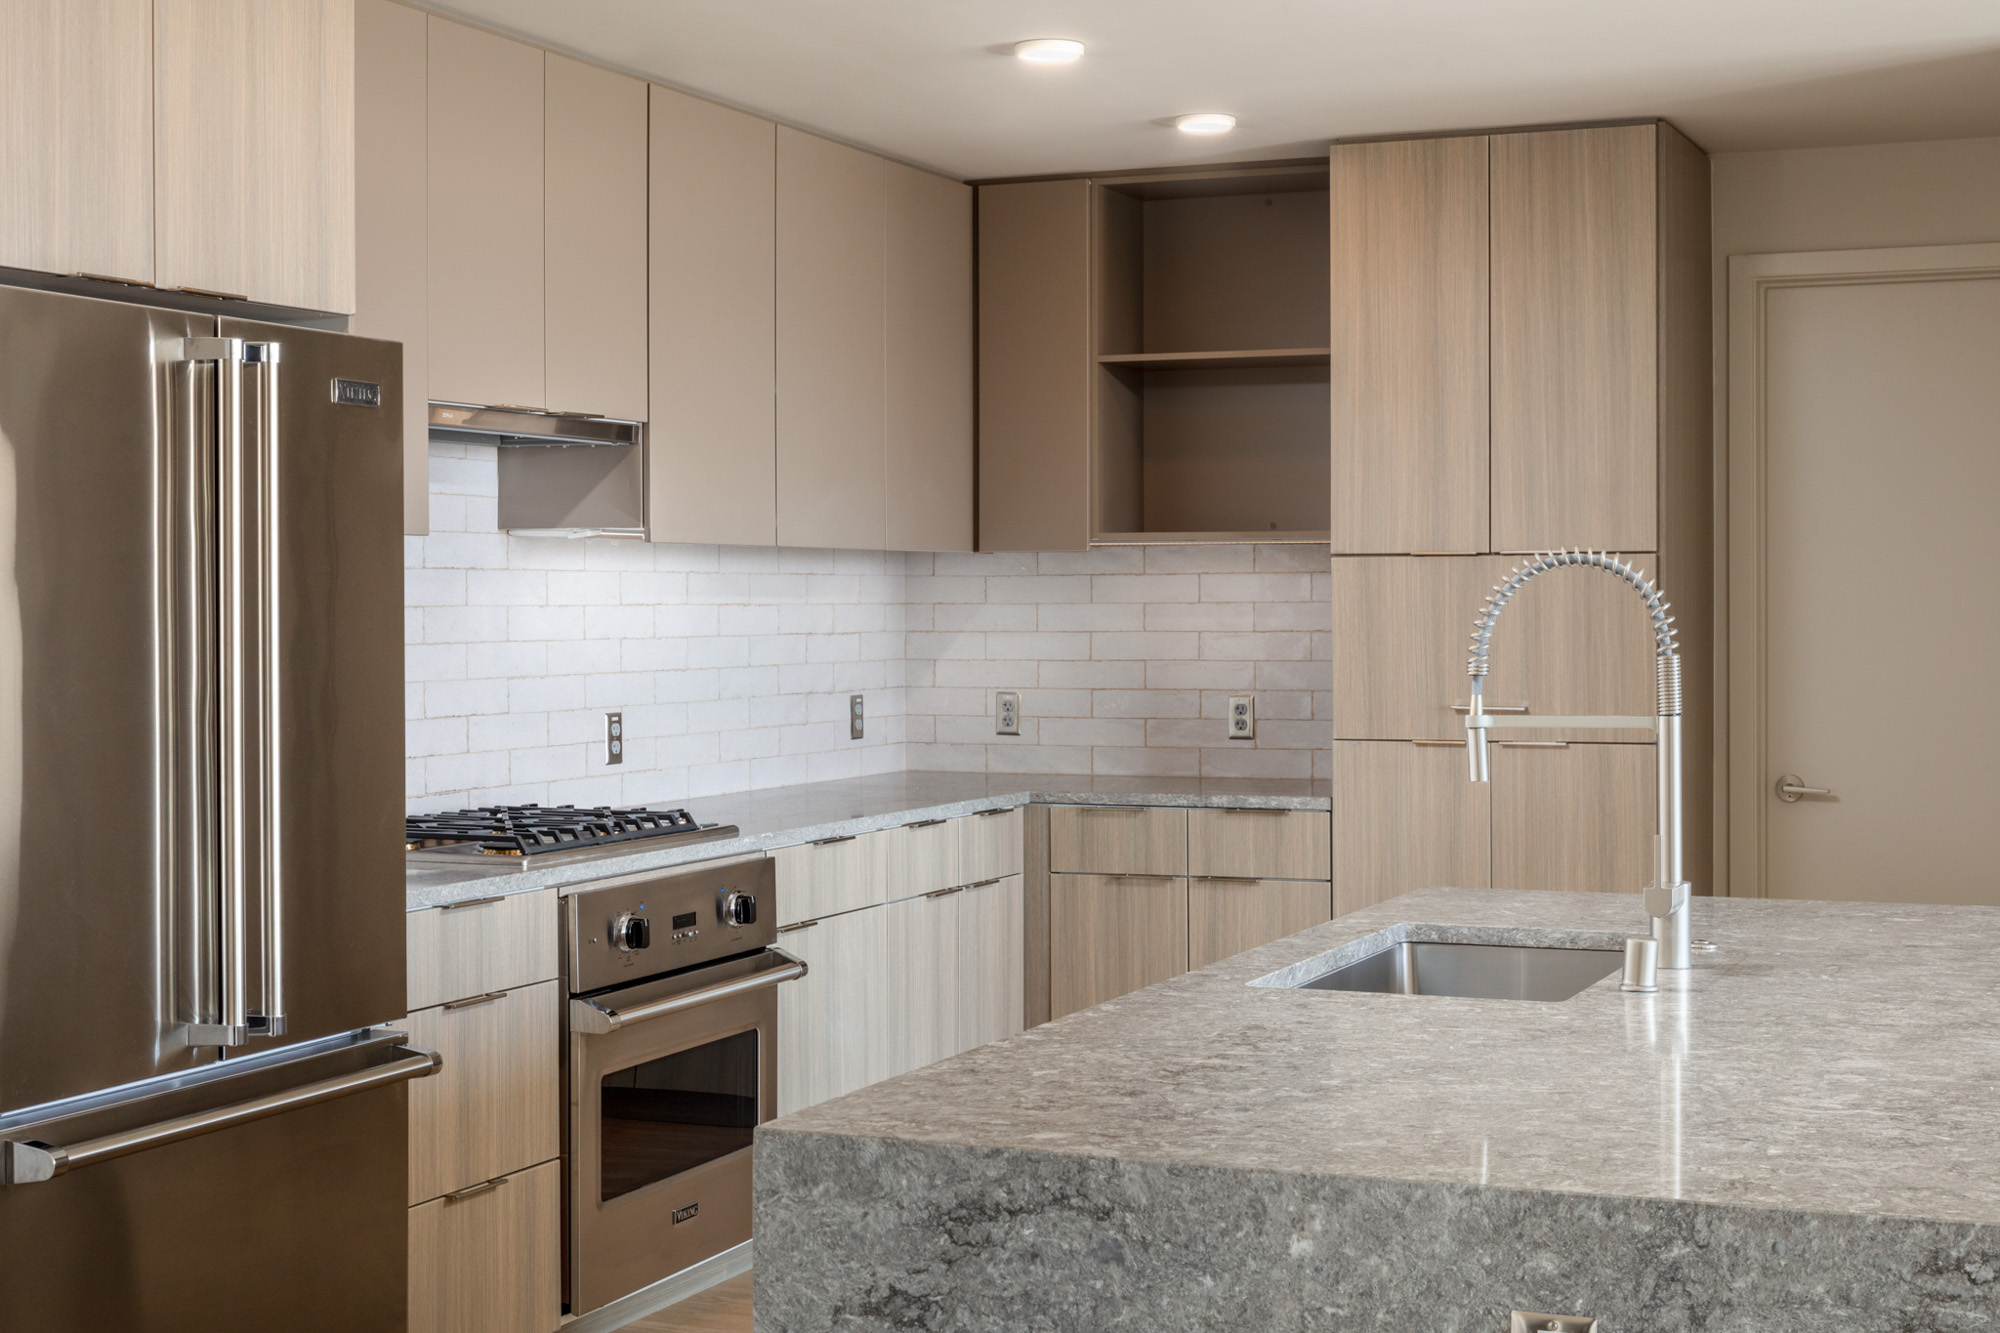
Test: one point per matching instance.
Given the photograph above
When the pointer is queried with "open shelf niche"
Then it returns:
(1209, 403)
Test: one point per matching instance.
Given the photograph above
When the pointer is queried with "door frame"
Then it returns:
(1752, 279)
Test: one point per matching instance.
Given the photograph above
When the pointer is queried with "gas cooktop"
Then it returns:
(549, 834)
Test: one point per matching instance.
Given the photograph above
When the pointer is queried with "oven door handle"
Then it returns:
(594, 1018)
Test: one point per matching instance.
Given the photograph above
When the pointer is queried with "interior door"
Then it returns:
(1880, 465)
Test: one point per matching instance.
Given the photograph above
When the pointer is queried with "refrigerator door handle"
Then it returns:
(30, 1161)
(261, 496)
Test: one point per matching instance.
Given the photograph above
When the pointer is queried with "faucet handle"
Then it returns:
(1663, 900)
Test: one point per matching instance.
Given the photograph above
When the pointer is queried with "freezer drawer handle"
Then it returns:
(31, 1161)
(588, 1016)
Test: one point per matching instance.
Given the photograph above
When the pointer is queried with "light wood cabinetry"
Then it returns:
(712, 441)
(1113, 934)
(1258, 844)
(253, 150)
(391, 206)
(833, 1029)
(1227, 915)
(1577, 818)
(1034, 366)
(76, 137)
(1575, 338)
(494, 1106)
(1405, 816)
(1400, 629)
(930, 362)
(594, 216)
(1409, 299)
(832, 353)
(1117, 840)
(989, 974)
(485, 944)
(921, 1010)
(488, 313)
(835, 875)
(490, 1262)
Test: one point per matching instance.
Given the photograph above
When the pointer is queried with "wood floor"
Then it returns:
(723, 1308)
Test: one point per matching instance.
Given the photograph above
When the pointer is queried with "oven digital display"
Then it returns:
(674, 1113)
(685, 920)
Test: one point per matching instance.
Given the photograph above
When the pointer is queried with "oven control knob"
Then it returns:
(739, 909)
(631, 932)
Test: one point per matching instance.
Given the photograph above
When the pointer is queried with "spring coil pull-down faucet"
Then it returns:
(1666, 898)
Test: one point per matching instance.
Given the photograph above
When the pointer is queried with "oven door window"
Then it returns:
(672, 1114)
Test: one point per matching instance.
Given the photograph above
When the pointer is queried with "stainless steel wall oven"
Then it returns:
(671, 1064)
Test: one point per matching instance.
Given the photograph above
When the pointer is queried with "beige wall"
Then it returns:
(1938, 193)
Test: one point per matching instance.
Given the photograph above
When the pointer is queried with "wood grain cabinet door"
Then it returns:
(1113, 934)
(1258, 844)
(1405, 816)
(1409, 282)
(832, 343)
(487, 229)
(1227, 916)
(76, 137)
(594, 272)
(1118, 840)
(1575, 339)
(930, 356)
(833, 1023)
(989, 971)
(253, 135)
(1034, 366)
(1401, 627)
(490, 1262)
(922, 986)
(1578, 818)
(495, 1106)
(711, 443)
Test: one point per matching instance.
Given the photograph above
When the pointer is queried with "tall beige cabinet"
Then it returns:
(1520, 351)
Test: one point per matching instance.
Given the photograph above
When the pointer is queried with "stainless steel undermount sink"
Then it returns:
(1473, 971)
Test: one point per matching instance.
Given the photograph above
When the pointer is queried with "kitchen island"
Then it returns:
(1801, 1133)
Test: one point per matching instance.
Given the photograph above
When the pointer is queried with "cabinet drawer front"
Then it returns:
(490, 1262)
(1109, 935)
(838, 875)
(1225, 917)
(481, 946)
(494, 1106)
(1117, 840)
(950, 853)
(1258, 844)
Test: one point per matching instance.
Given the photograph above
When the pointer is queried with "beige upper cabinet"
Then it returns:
(595, 215)
(253, 148)
(832, 349)
(487, 304)
(712, 441)
(76, 137)
(1575, 339)
(930, 362)
(391, 298)
(1034, 366)
(1409, 331)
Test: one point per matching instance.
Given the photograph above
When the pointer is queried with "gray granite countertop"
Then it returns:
(787, 816)
(1828, 1057)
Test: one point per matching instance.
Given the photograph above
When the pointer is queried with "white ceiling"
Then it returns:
(925, 80)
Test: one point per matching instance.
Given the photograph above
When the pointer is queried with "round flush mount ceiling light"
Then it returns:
(1049, 51)
(1205, 122)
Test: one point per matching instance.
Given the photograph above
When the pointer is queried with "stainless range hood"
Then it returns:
(561, 475)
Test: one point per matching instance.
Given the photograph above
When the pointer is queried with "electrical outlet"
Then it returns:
(614, 738)
(1242, 718)
(854, 717)
(1007, 713)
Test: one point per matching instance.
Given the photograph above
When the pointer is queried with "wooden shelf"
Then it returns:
(1266, 356)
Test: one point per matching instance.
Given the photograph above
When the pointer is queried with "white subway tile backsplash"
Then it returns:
(733, 665)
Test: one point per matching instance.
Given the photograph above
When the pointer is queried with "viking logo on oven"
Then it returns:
(686, 1214)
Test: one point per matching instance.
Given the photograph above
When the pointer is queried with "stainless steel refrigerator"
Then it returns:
(202, 1125)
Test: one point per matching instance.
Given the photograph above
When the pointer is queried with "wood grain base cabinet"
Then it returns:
(495, 1105)
(833, 1030)
(491, 944)
(1405, 816)
(1228, 916)
(490, 1262)
(1110, 935)
(1118, 840)
(1258, 844)
(1576, 818)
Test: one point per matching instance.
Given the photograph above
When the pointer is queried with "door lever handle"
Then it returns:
(1791, 787)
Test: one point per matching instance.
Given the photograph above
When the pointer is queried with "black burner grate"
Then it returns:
(526, 830)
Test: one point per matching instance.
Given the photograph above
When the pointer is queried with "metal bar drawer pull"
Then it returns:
(590, 1016)
(32, 1161)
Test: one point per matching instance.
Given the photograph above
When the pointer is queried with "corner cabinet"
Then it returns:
(1520, 363)
(198, 145)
